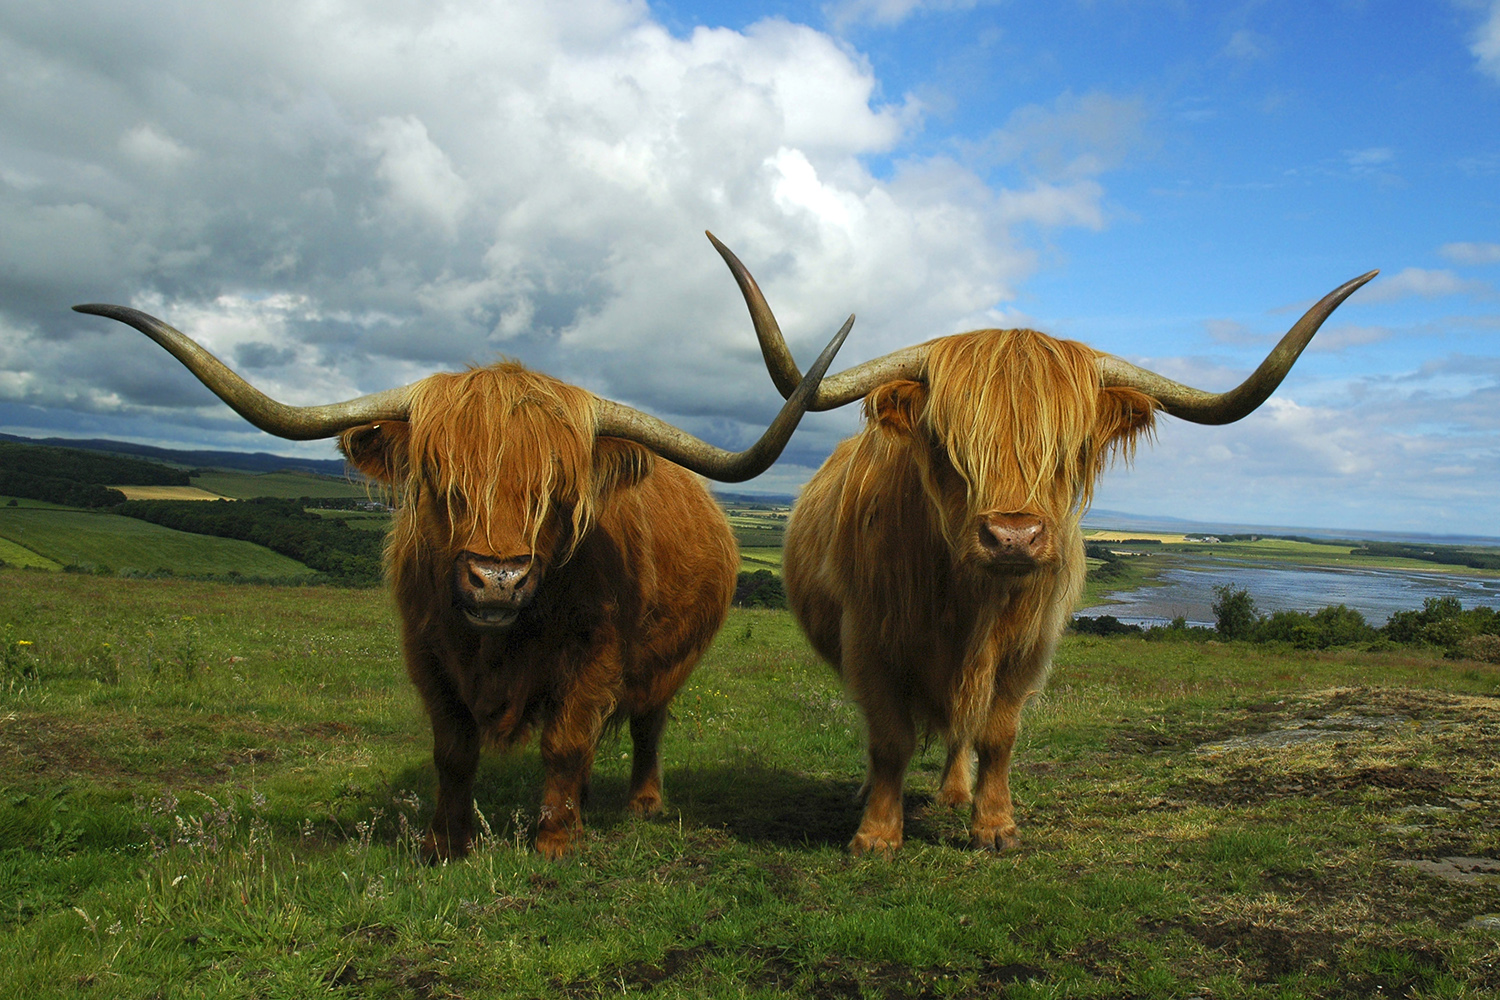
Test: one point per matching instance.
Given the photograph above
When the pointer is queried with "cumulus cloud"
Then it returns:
(341, 197)
(1471, 253)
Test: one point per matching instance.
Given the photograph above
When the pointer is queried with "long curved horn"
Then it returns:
(297, 423)
(838, 390)
(1201, 407)
(303, 423)
(619, 420)
(1180, 400)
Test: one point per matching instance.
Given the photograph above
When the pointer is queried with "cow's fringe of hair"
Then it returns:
(524, 422)
(1009, 401)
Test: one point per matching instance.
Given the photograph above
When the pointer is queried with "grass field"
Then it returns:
(224, 802)
(289, 485)
(90, 538)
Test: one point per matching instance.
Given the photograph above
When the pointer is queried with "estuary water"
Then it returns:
(1187, 591)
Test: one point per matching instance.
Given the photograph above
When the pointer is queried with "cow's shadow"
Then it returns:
(751, 801)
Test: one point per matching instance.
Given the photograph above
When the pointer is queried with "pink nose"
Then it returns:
(1012, 538)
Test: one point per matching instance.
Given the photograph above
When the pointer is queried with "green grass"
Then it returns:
(287, 485)
(215, 791)
(754, 558)
(76, 537)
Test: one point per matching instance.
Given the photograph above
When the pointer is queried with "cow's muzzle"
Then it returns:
(1011, 543)
(491, 591)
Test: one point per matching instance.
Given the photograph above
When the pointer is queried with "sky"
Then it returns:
(345, 196)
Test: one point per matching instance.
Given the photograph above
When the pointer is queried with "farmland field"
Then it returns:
(287, 485)
(224, 801)
(92, 538)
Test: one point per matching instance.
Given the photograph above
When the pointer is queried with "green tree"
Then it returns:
(1235, 614)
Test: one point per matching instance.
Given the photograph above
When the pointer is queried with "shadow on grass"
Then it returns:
(754, 803)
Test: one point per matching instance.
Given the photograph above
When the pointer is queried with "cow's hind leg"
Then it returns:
(455, 752)
(645, 768)
(994, 825)
(957, 788)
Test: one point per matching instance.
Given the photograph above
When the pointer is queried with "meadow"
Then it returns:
(217, 791)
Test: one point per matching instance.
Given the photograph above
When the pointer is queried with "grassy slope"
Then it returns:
(94, 538)
(1149, 868)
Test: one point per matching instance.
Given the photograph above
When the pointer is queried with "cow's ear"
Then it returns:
(896, 406)
(1124, 415)
(619, 464)
(378, 450)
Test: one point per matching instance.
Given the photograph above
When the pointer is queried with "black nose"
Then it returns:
(487, 581)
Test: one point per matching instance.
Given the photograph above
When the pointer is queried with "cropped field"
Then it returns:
(216, 791)
(287, 485)
(166, 493)
(88, 538)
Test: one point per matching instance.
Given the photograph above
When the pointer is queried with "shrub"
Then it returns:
(1481, 647)
(1104, 625)
(1235, 615)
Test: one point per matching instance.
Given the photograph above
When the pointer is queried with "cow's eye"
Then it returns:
(457, 505)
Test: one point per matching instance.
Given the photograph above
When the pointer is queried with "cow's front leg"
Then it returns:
(568, 743)
(892, 739)
(455, 752)
(994, 825)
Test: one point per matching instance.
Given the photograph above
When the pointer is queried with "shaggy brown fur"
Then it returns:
(891, 557)
(628, 568)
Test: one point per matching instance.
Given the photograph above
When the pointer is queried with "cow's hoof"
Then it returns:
(436, 849)
(553, 844)
(872, 843)
(646, 804)
(995, 839)
(950, 798)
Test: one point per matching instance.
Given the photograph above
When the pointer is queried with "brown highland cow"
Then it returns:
(556, 563)
(936, 556)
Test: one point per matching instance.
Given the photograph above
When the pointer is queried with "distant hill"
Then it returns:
(257, 461)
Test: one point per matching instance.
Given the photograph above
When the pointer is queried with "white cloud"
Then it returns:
(1366, 457)
(1422, 282)
(150, 148)
(1471, 253)
(419, 177)
(1486, 44)
(885, 13)
(1076, 136)
(1246, 45)
(343, 197)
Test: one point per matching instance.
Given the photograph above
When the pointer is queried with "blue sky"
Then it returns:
(343, 198)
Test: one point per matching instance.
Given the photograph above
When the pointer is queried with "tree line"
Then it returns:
(328, 545)
(72, 477)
